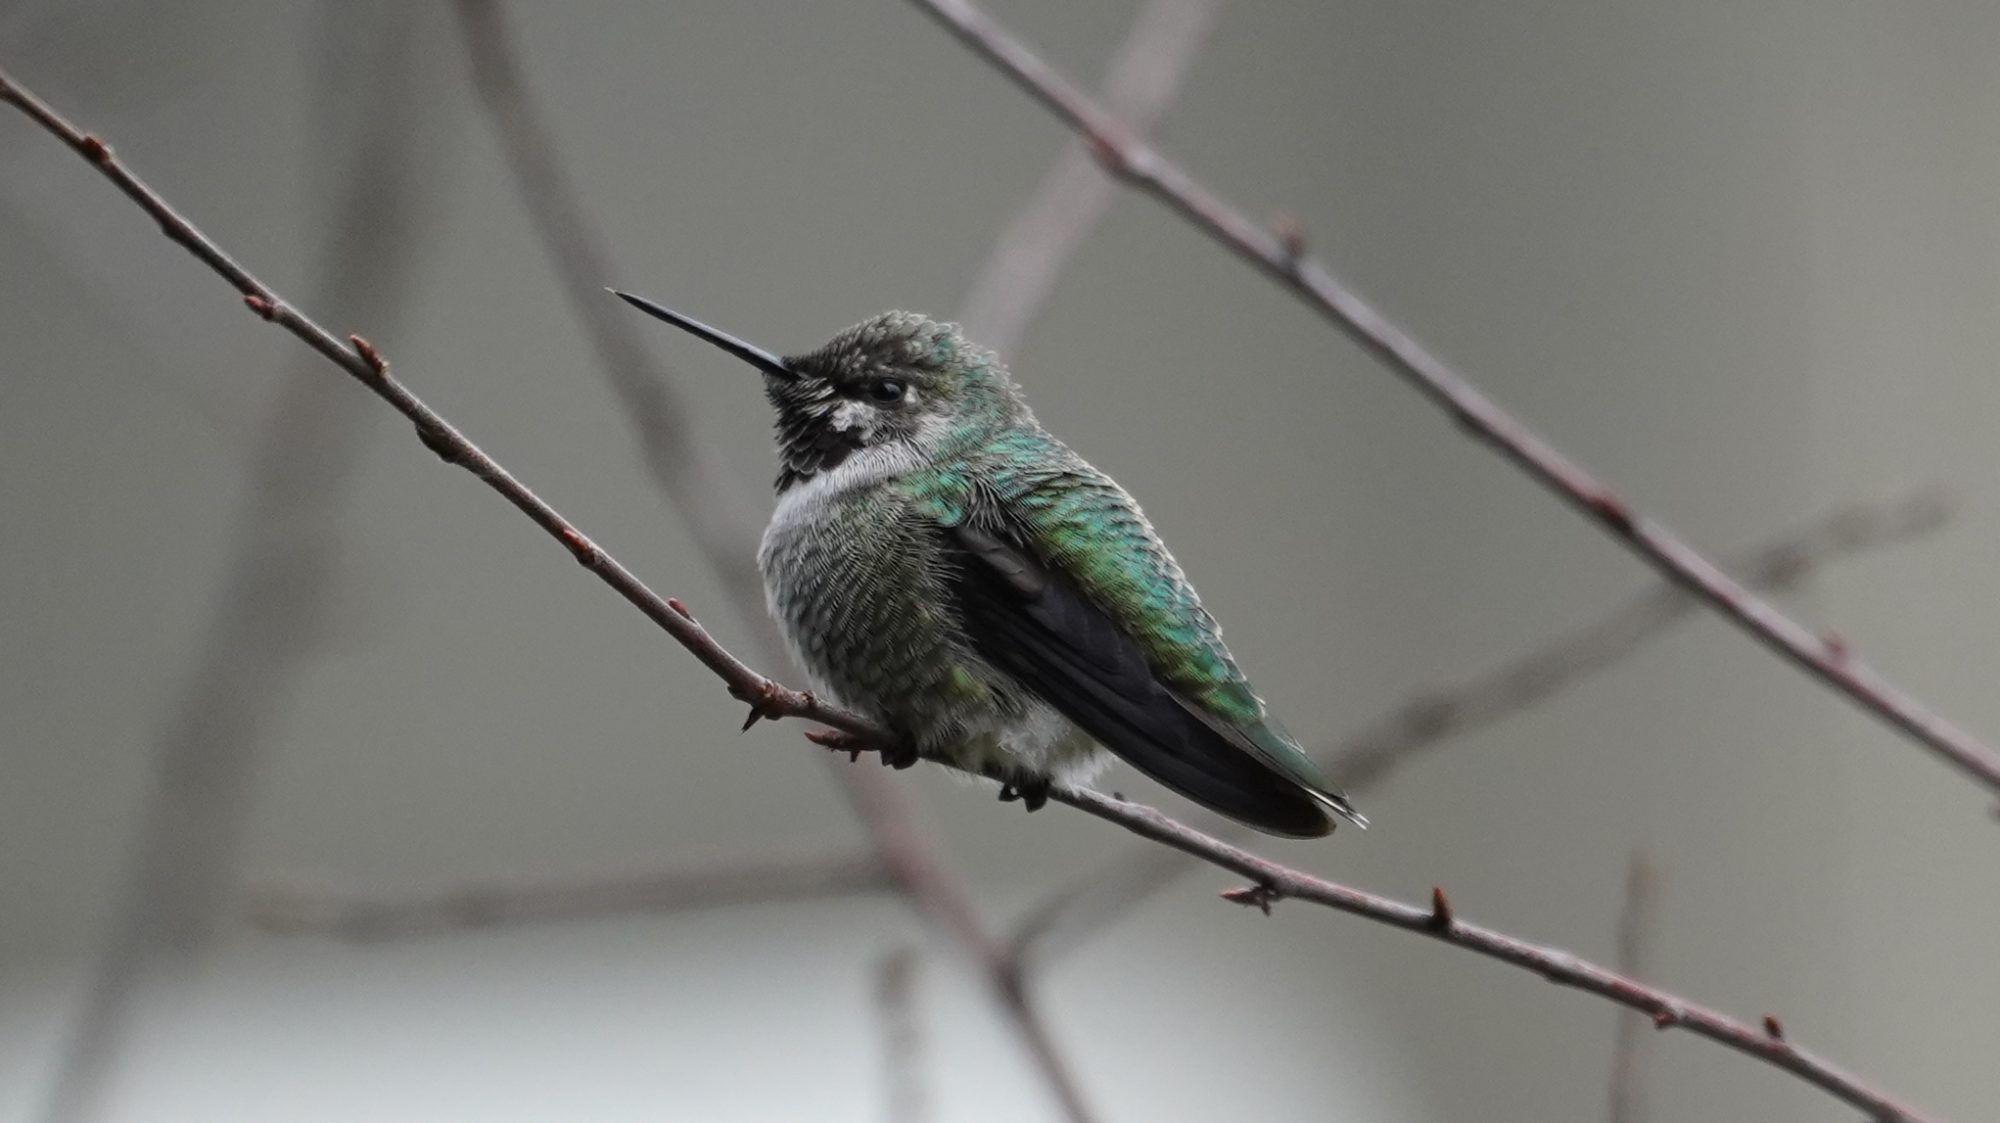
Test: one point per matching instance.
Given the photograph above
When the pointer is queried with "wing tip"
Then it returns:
(1339, 805)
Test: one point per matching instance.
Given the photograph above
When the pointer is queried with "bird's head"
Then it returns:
(899, 377)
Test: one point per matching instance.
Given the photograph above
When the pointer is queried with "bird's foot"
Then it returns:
(898, 755)
(1032, 794)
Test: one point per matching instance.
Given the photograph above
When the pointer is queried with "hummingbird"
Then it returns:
(943, 565)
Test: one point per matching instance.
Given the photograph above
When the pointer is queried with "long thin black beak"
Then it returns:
(756, 356)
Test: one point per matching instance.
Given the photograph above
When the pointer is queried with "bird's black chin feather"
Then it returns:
(808, 442)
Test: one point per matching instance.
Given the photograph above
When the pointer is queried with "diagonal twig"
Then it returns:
(1272, 882)
(1283, 258)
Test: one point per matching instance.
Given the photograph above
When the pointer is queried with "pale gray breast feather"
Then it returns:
(804, 504)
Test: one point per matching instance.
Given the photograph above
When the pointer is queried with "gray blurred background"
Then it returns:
(1741, 259)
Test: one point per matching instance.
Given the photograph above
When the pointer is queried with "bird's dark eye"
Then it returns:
(886, 390)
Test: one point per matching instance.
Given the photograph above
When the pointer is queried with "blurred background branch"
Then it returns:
(1021, 272)
(297, 909)
(1638, 924)
(903, 1044)
(272, 604)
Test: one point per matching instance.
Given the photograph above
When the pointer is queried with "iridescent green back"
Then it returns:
(1081, 523)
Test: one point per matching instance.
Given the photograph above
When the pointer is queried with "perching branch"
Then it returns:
(292, 909)
(1072, 198)
(683, 468)
(1365, 759)
(770, 699)
(1272, 883)
(1282, 257)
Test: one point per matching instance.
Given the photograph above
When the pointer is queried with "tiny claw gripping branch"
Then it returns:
(840, 742)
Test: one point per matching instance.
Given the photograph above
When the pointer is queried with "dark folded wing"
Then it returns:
(1029, 620)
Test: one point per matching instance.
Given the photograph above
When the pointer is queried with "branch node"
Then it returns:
(1442, 917)
(1111, 153)
(764, 700)
(1666, 1017)
(680, 609)
(264, 308)
(1610, 509)
(1773, 1028)
(1259, 897)
(1836, 645)
(94, 149)
(369, 355)
(583, 549)
(434, 438)
(1291, 238)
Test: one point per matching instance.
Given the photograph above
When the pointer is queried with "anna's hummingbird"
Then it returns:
(944, 566)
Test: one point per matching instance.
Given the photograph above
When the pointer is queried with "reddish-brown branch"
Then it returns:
(294, 909)
(1271, 881)
(1138, 164)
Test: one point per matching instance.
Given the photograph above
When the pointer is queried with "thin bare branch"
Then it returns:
(272, 598)
(1272, 882)
(1036, 246)
(1282, 257)
(902, 1037)
(1636, 924)
(1366, 759)
(299, 909)
(683, 467)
